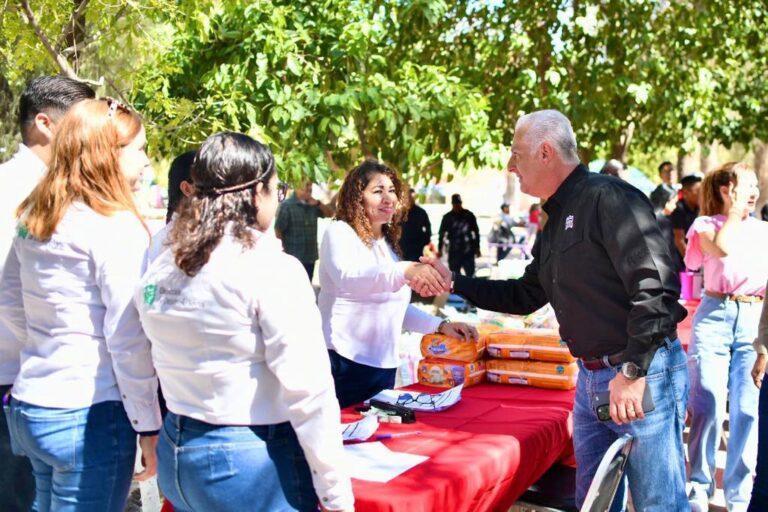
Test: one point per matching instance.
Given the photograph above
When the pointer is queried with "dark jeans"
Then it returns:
(310, 268)
(357, 382)
(17, 484)
(457, 262)
(759, 502)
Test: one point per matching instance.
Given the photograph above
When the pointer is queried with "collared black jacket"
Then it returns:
(603, 264)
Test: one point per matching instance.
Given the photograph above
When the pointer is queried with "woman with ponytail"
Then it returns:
(86, 385)
(236, 339)
(731, 246)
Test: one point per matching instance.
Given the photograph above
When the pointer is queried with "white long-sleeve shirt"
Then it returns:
(69, 302)
(18, 177)
(364, 300)
(240, 343)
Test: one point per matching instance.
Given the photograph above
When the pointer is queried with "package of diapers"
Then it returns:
(447, 374)
(440, 346)
(532, 373)
(535, 344)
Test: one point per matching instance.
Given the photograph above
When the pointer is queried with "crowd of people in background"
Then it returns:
(205, 345)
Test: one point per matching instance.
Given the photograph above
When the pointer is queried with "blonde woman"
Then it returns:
(730, 245)
(86, 385)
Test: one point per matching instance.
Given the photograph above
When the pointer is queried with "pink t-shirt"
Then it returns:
(744, 272)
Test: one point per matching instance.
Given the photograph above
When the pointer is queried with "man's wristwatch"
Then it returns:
(631, 371)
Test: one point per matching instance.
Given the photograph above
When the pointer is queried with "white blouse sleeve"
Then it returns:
(340, 256)
(417, 320)
(118, 270)
(12, 315)
(295, 352)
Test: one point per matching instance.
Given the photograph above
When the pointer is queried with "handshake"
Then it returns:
(429, 277)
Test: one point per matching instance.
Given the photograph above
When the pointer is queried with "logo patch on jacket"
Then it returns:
(569, 222)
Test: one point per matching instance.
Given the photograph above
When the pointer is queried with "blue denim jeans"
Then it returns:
(82, 459)
(655, 470)
(759, 502)
(17, 484)
(720, 361)
(204, 467)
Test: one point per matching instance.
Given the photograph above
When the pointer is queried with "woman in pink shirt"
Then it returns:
(731, 246)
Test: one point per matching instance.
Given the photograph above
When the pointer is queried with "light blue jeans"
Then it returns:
(204, 467)
(720, 361)
(655, 470)
(82, 459)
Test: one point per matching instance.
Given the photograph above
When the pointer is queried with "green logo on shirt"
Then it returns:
(22, 232)
(150, 292)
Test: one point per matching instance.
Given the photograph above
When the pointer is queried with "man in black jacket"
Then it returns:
(459, 231)
(603, 264)
(416, 230)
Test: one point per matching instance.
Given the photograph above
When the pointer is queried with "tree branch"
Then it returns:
(77, 14)
(57, 57)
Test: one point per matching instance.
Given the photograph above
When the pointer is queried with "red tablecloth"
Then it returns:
(684, 327)
(484, 452)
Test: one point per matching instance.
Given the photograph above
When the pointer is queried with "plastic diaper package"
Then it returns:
(535, 344)
(440, 346)
(532, 373)
(447, 374)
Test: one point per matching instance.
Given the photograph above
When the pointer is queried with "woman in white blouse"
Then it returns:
(86, 385)
(253, 423)
(364, 295)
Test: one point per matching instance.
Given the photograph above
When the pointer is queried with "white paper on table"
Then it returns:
(426, 402)
(359, 430)
(377, 463)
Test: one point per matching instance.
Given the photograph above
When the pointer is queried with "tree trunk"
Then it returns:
(761, 168)
(709, 158)
(688, 163)
(620, 149)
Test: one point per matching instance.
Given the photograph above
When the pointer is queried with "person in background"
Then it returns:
(501, 233)
(296, 225)
(659, 196)
(534, 225)
(614, 168)
(665, 225)
(364, 298)
(731, 246)
(416, 230)
(43, 103)
(603, 266)
(459, 230)
(686, 211)
(179, 187)
(764, 212)
(86, 385)
(238, 347)
(759, 501)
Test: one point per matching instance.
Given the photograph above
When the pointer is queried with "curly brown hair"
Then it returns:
(225, 172)
(349, 207)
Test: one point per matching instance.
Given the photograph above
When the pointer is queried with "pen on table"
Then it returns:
(381, 437)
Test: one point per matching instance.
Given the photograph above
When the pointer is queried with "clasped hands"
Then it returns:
(429, 277)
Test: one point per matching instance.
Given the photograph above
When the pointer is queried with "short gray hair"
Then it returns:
(553, 127)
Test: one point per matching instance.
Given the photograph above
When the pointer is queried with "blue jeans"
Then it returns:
(720, 361)
(356, 382)
(17, 484)
(82, 459)
(759, 501)
(204, 467)
(655, 470)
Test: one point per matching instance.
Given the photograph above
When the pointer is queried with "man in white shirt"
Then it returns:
(43, 103)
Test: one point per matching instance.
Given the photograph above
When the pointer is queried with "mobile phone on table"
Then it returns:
(602, 404)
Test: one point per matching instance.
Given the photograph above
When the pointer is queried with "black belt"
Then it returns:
(598, 363)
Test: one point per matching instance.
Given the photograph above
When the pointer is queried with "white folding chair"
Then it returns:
(606, 481)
